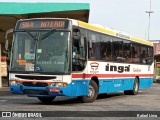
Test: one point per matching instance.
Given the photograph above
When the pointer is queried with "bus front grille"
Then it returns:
(38, 84)
(37, 92)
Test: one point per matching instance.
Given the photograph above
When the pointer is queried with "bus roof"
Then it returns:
(104, 30)
(115, 33)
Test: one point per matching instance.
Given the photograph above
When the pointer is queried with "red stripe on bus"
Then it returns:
(109, 75)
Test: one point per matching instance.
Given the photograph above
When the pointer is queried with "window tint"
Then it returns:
(150, 55)
(94, 50)
(108, 48)
(135, 52)
(117, 51)
(99, 46)
(126, 51)
(144, 55)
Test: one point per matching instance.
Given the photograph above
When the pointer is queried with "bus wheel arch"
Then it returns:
(94, 78)
(135, 89)
(93, 89)
(138, 79)
(136, 85)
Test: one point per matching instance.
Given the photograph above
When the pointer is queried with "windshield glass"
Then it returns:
(42, 51)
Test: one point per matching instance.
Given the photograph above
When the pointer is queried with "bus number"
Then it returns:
(27, 25)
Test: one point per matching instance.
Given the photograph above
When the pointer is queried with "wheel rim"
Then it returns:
(91, 91)
(136, 86)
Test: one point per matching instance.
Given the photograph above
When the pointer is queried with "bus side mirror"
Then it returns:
(6, 38)
(6, 44)
(76, 34)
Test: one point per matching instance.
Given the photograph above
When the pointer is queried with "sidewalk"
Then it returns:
(4, 91)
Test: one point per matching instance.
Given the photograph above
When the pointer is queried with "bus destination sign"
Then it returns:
(42, 24)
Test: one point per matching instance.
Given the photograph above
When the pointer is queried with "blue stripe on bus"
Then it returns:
(80, 87)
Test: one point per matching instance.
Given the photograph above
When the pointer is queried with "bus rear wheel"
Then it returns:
(46, 99)
(135, 88)
(92, 93)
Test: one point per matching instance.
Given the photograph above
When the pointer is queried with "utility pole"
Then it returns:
(149, 13)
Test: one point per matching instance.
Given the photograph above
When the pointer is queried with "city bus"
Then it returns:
(65, 57)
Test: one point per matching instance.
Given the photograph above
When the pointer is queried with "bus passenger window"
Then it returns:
(108, 57)
(143, 57)
(90, 53)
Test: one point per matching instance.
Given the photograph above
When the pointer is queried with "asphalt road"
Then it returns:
(146, 100)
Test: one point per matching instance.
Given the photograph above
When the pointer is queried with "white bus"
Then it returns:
(65, 57)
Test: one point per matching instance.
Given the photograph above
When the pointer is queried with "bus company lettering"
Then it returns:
(57, 24)
(122, 35)
(136, 70)
(119, 69)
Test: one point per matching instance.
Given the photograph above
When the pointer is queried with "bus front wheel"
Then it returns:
(135, 88)
(46, 99)
(92, 93)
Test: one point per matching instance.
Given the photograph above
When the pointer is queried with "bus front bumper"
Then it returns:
(73, 89)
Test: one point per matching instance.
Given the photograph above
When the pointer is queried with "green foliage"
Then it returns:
(158, 71)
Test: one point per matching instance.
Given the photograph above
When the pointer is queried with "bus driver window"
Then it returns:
(78, 50)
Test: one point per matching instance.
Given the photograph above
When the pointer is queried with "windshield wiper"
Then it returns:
(30, 34)
(47, 34)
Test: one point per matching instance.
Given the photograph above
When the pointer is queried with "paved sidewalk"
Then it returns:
(4, 91)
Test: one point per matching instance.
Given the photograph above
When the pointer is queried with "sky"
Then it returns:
(128, 16)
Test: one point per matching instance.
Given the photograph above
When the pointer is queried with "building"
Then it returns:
(156, 44)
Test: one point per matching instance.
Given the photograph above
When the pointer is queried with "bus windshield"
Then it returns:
(42, 51)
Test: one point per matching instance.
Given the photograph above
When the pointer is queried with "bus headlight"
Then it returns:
(14, 82)
(59, 84)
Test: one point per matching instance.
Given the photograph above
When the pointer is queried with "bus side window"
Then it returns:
(144, 55)
(90, 49)
(90, 53)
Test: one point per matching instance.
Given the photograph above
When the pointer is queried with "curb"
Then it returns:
(5, 91)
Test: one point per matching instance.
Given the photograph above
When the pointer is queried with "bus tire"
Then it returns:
(46, 99)
(135, 88)
(92, 93)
